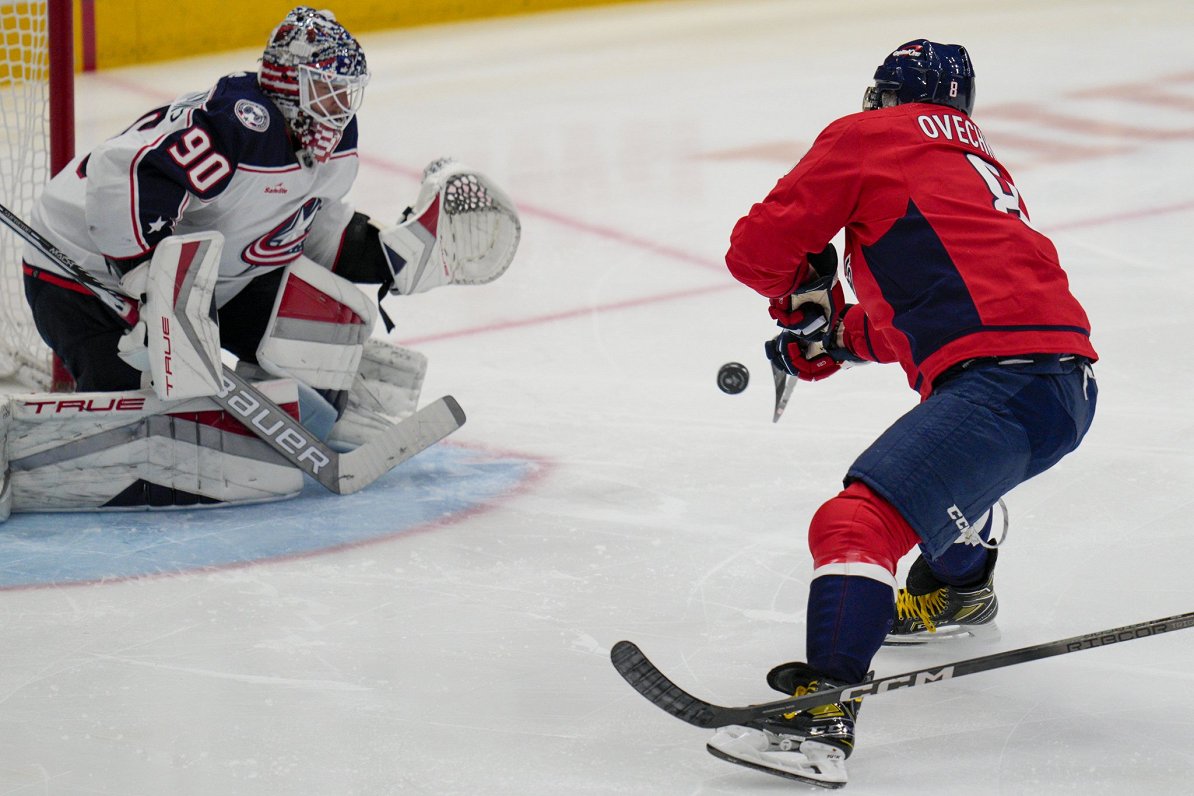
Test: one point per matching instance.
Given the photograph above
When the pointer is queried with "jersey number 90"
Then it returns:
(204, 167)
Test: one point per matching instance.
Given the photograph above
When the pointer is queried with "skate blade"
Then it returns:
(945, 635)
(823, 766)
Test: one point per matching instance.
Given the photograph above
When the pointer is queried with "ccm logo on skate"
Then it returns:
(252, 412)
(892, 683)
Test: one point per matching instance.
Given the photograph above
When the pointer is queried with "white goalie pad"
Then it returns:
(462, 230)
(175, 332)
(385, 391)
(132, 451)
(318, 328)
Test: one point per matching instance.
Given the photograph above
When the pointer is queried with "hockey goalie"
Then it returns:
(215, 230)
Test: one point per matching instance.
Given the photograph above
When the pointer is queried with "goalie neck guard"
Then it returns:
(924, 71)
(315, 72)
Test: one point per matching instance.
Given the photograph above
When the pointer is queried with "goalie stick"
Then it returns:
(342, 473)
(653, 684)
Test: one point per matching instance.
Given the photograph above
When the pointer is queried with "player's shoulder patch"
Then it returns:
(252, 115)
(250, 126)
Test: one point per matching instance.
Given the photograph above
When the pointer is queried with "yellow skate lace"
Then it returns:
(921, 606)
(821, 711)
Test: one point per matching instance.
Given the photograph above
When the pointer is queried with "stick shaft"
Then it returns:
(654, 685)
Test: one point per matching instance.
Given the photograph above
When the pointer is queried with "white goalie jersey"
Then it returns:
(215, 161)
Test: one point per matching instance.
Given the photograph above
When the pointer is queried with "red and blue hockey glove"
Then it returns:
(790, 353)
(822, 295)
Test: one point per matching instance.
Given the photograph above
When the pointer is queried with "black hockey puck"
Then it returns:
(732, 378)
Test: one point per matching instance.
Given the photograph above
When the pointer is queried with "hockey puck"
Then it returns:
(732, 378)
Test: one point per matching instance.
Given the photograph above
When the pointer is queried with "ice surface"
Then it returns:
(472, 658)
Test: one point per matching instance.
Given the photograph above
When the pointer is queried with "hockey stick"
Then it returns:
(342, 473)
(653, 684)
(784, 384)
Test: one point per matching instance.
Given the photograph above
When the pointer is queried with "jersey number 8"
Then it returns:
(1005, 197)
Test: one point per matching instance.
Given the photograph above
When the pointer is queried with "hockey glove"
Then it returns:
(790, 353)
(133, 345)
(822, 295)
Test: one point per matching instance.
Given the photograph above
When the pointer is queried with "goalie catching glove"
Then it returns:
(462, 230)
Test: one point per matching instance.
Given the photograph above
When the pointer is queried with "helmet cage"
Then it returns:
(315, 72)
(328, 97)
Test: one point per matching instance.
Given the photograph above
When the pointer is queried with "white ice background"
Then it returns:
(472, 657)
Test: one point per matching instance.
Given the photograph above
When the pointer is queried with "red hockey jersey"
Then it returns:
(940, 251)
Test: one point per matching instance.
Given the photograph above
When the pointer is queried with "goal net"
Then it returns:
(36, 139)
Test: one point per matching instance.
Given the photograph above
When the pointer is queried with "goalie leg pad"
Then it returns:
(183, 339)
(317, 330)
(385, 391)
(131, 450)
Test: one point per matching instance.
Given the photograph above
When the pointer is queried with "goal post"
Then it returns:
(37, 131)
(61, 79)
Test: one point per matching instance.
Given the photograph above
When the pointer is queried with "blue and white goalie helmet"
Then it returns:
(315, 72)
(924, 71)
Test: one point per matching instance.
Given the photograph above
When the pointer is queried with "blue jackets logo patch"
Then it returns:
(252, 115)
(284, 243)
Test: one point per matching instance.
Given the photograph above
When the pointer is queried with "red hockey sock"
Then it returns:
(856, 539)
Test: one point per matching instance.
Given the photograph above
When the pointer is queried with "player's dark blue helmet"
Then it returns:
(924, 71)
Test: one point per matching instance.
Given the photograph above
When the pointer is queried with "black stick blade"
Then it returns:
(653, 684)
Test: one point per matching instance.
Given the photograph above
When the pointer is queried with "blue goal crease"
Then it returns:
(79, 547)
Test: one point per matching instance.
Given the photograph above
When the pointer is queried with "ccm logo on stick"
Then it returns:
(253, 413)
(890, 684)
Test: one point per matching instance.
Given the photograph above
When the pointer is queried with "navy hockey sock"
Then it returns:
(848, 618)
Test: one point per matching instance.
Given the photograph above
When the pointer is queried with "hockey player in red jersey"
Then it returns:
(953, 283)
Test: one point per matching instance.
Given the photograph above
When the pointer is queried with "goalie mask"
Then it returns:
(924, 71)
(315, 72)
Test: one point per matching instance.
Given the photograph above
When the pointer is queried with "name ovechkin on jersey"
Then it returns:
(953, 127)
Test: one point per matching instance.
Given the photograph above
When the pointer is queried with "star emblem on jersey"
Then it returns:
(156, 226)
(252, 115)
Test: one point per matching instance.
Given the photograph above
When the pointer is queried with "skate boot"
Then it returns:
(810, 745)
(928, 610)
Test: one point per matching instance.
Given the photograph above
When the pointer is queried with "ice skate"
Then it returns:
(928, 610)
(810, 746)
